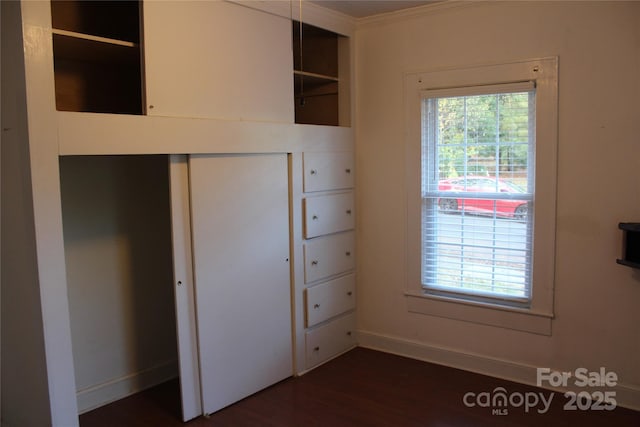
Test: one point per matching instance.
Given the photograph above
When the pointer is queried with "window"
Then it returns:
(481, 167)
(477, 192)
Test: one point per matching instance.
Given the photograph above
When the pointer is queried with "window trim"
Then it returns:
(537, 318)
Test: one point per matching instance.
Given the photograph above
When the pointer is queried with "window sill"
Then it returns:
(518, 319)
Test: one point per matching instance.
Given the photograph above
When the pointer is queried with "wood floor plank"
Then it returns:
(361, 388)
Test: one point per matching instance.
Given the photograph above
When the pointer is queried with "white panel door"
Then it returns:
(240, 227)
(217, 59)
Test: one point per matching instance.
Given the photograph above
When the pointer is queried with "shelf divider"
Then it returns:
(93, 38)
(315, 75)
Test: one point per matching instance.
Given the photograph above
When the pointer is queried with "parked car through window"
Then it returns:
(506, 208)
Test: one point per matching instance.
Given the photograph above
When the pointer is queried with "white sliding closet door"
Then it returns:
(184, 288)
(240, 233)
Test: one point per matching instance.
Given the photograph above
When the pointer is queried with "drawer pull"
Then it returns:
(348, 211)
(313, 172)
(349, 333)
(349, 293)
(316, 305)
(316, 348)
(314, 262)
(314, 217)
(347, 170)
(348, 253)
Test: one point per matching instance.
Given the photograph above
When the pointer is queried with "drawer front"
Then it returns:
(328, 214)
(328, 256)
(331, 339)
(328, 171)
(330, 299)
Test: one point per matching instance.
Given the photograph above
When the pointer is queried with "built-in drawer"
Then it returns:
(328, 256)
(328, 214)
(330, 299)
(331, 339)
(328, 171)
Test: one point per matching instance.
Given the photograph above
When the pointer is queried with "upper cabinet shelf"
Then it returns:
(84, 47)
(321, 76)
(316, 76)
(89, 37)
(97, 56)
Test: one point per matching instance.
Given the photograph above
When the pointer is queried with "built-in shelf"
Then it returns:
(310, 85)
(316, 76)
(321, 76)
(97, 56)
(631, 244)
(89, 37)
(85, 47)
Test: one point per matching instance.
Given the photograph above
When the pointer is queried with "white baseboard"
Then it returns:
(627, 395)
(101, 394)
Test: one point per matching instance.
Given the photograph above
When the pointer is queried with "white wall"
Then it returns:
(117, 236)
(596, 301)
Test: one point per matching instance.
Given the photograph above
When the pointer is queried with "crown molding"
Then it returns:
(311, 14)
(412, 13)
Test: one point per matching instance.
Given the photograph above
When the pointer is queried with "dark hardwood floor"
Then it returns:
(360, 388)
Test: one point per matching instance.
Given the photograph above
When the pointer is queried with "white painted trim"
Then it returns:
(324, 362)
(324, 18)
(47, 211)
(280, 8)
(544, 71)
(184, 288)
(94, 133)
(478, 312)
(297, 259)
(118, 388)
(412, 13)
(311, 14)
(627, 395)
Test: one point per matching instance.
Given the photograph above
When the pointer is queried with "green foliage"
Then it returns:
(477, 135)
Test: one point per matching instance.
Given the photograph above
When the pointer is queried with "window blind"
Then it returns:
(478, 191)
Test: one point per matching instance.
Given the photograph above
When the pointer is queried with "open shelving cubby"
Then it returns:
(321, 76)
(631, 249)
(97, 56)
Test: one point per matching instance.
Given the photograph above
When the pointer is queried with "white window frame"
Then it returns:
(536, 318)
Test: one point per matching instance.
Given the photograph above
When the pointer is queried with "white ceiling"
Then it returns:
(363, 8)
